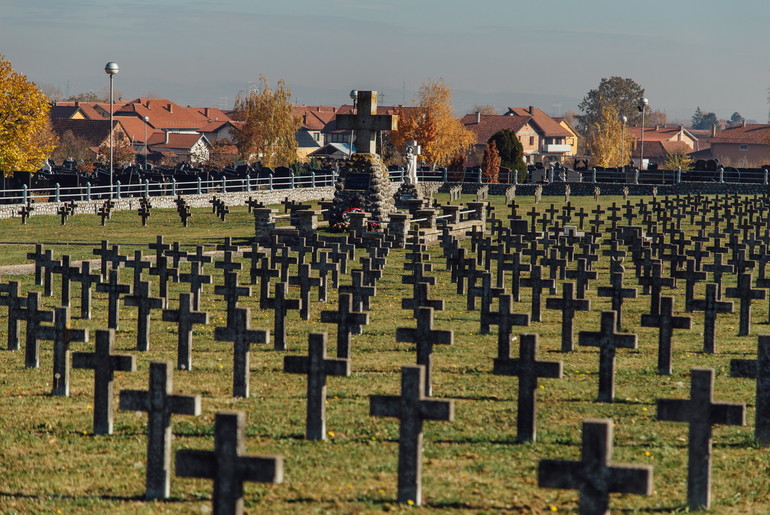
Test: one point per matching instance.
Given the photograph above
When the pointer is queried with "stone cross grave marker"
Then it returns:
(266, 273)
(227, 465)
(281, 306)
(666, 322)
(425, 337)
(718, 270)
(595, 476)
(505, 319)
(104, 364)
(231, 291)
(746, 294)
(138, 264)
(582, 276)
(486, 293)
(411, 408)
(420, 299)
(701, 413)
(568, 305)
(366, 122)
(617, 293)
(86, 280)
(305, 283)
(537, 283)
(528, 369)
(758, 369)
(316, 366)
(185, 317)
(691, 276)
(711, 307)
(242, 337)
(160, 404)
(15, 304)
(62, 335)
(48, 265)
(114, 290)
(196, 279)
(361, 293)
(67, 273)
(37, 256)
(144, 303)
(608, 341)
(325, 267)
(34, 317)
(110, 257)
(348, 322)
(655, 282)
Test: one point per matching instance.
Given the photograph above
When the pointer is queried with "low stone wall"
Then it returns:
(587, 188)
(267, 197)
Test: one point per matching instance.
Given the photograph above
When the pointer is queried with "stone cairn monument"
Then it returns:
(364, 183)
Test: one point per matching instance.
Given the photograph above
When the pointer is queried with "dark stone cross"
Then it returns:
(711, 307)
(242, 337)
(186, 316)
(348, 322)
(537, 283)
(595, 476)
(138, 264)
(758, 369)
(199, 257)
(568, 305)
(165, 274)
(528, 369)
(62, 335)
(425, 337)
(48, 265)
(25, 212)
(617, 293)
(38, 257)
(114, 290)
(655, 282)
(691, 276)
(176, 254)
(196, 279)
(285, 260)
(227, 465)
(227, 264)
(305, 283)
(701, 412)
(160, 404)
(420, 299)
(67, 273)
(16, 311)
(608, 341)
(144, 213)
(281, 306)
(316, 366)
(324, 267)
(254, 256)
(110, 257)
(366, 122)
(746, 294)
(582, 276)
(231, 291)
(486, 292)
(86, 280)
(516, 267)
(411, 408)
(104, 364)
(34, 316)
(361, 293)
(666, 322)
(505, 319)
(142, 300)
(718, 270)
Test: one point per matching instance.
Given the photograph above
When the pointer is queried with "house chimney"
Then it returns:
(713, 130)
(165, 137)
(206, 112)
(478, 117)
(170, 109)
(531, 110)
(681, 128)
(743, 124)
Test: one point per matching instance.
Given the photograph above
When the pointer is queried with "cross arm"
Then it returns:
(437, 410)
(296, 364)
(630, 479)
(744, 368)
(337, 367)
(384, 406)
(134, 400)
(261, 469)
(185, 404)
(564, 475)
(674, 410)
(195, 463)
(728, 413)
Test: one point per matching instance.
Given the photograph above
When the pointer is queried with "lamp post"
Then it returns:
(354, 97)
(111, 69)
(643, 102)
(624, 120)
(146, 120)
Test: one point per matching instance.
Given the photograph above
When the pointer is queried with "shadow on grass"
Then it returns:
(376, 501)
(120, 498)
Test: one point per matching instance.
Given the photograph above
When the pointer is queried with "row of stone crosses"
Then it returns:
(651, 237)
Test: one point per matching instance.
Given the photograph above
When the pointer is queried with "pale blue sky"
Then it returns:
(548, 53)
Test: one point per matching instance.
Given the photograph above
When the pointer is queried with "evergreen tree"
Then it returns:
(510, 150)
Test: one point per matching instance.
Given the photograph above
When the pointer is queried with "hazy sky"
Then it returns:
(548, 53)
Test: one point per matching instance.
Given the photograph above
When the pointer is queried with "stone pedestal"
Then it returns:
(479, 211)
(264, 223)
(364, 184)
(398, 228)
(427, 218)
(358, 223)
(452, 212)
(306, 222)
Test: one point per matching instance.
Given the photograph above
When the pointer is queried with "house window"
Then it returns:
(744, 147)
(531, 141)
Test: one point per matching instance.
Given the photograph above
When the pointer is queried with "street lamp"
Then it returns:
(624, 120)
(643, 102)
(354, 98)
(146, 120)
(111, 69)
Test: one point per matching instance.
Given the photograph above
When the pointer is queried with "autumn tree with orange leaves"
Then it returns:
(491, 163)
(433, 126)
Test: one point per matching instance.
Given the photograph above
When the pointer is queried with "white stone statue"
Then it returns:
(412, 150)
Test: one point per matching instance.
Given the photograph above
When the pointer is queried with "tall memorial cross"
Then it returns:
(114, 290)
(160, 404)
(528, 369)
(537, 283)
(228, 465)
(317, 367)
(617, 293)
(711, 306)
(425, 337)
(366, 122)
(568, 305)
(595, 476)
(746, 294)
(86, 280)
(196, 279)
(505, 319)
(242, 337)
(281, 305)
(34, 316)
(185, 317)
(666, 322)
(16, 311)
(412, 407)
(231, 291)
(67, 272)
(348, 322)
(701, 413)
(758, 369)
(104, 364)
(144, 303)
(608, 341)
(62, 335)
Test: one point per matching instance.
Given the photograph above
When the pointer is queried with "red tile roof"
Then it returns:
(178, 141)
(546, 126)
(95, 132)
(754, 133)
(491, 124)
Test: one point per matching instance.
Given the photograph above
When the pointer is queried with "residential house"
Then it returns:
(659, 142)
(745, 146)
(487, 125)
(95, 132)
(554, 140)
(193, 148)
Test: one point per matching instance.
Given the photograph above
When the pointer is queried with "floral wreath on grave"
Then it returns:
(346, 213)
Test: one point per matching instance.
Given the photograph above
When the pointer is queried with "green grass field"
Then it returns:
(50, 462)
